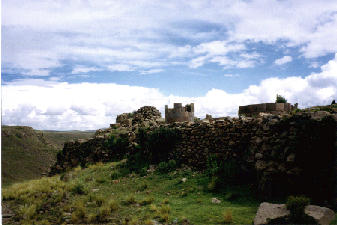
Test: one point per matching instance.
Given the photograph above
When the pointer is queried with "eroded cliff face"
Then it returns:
(284, 154)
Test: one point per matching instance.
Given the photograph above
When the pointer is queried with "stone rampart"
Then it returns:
(271, 108)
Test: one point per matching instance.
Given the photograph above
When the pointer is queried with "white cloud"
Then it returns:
(55, 105)
(151, 71)
(84, 69)
(230, 75)
(285, 59)
(120, 67)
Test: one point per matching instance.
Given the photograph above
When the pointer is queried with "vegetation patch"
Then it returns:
(130, 199)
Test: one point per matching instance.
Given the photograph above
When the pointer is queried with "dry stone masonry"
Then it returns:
(284, 153)
(270, 108)
(179, 113)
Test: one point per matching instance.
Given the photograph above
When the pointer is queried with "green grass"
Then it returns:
(27, 153)
(92, 196)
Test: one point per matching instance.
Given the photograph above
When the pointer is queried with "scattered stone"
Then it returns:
(216, 201)
(95, 189)
(184, 179)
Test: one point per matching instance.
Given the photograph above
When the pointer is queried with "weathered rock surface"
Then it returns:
(322, 215)
(268, 211)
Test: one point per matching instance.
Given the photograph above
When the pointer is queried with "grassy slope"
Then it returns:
(26, 153)
(137, 199)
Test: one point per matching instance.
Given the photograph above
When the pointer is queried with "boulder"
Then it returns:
(268, 211)
(216, 201)
(322, 215)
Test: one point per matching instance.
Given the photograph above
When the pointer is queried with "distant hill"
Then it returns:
(27, 153)
(57, 138)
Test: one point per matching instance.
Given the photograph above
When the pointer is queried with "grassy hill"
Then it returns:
(27, 153)
(109, 194)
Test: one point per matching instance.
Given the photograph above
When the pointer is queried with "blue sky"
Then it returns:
(77, 64)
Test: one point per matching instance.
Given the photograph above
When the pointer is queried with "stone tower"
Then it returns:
(179, 113)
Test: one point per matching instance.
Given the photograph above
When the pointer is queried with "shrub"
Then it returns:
(222, 172)
(165, 201)
(157, 144)
(227, 216)
(78, 214)
(146, 201)
(137, 161)
(163, 167)
(142, 187)
(78, 189)
(130, 200)
(103, 213)
(113, 205)
(115, 175)
(153, 208)
(163, 213)
(99, 200)
(296, 206)
(280, 99)
(172, 164)
(118, 146)
(28, 211)
(143, 172)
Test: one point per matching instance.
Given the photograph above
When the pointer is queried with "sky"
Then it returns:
(77, 64)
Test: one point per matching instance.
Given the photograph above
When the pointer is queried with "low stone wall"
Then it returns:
(272, 108)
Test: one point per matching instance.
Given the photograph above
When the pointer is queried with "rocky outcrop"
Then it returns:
(268, 212)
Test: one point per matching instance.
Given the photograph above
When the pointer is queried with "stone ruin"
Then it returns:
(145, 116)
(269, 108)
(179, 113)
(268, 146)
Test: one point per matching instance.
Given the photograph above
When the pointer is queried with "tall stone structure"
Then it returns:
(272, 108)
(179, 113)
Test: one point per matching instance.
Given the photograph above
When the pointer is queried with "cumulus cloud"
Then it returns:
(285, 59)
(63, 106)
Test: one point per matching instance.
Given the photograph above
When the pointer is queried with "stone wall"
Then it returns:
(179, 113)
(287, 154)
(272, 108)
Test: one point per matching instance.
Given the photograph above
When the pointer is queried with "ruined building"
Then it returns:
(179, 113)
(271, 108)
